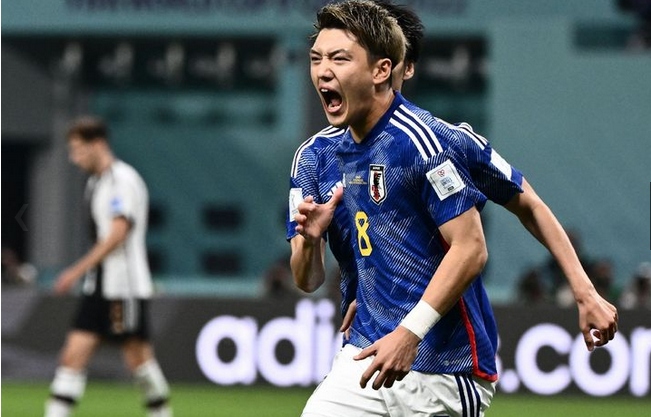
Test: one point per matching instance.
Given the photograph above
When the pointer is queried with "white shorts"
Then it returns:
(418, 394)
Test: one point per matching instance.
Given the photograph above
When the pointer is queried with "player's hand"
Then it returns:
(394, 355)
(66, 280)
(597, 320)
(348, 319)
(313, 219)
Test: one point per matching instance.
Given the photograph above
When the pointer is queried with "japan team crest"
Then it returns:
(376, 183)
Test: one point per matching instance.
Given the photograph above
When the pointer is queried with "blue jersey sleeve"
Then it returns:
(447, 188)
(314, 173)
(498, 180)
(303, 181)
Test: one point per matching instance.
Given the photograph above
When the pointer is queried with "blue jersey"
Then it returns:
(498, 180)
(315, 173)
(409, 176)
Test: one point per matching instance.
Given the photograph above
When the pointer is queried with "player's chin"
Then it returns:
(338, 121)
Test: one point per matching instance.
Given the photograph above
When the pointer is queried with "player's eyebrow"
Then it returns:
(329, 54)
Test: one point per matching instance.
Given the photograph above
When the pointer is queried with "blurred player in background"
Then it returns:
(315, 173)
(117, 284)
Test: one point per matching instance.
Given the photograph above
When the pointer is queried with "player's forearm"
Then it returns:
(541, 222)
(97, 254)
(559, 245)
(461, 265)
(547, 229)
(101, 250)
(307, 264)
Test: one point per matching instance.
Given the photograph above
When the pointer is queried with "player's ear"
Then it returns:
(409, 70)
(382, 70)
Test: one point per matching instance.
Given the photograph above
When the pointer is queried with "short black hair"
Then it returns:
(411, 26)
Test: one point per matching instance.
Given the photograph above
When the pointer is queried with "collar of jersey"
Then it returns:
(398, 99)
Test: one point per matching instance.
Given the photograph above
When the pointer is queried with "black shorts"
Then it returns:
(114, 320)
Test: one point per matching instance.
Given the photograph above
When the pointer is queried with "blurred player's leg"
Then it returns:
(70, 377)
(140, 359)
(155, 389)
(66, 389)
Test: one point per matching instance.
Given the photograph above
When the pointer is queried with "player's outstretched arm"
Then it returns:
(597, 316)
(68, 278)
(307, 259)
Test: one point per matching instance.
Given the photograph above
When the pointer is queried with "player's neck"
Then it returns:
(381, 103)
(106, 159)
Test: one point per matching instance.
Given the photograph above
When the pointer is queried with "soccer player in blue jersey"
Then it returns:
(314, 175)
(418, 241)
(435, 198)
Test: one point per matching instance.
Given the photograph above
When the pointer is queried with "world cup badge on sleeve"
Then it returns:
(376, 183)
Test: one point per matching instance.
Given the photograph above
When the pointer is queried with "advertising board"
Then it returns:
(291, 342)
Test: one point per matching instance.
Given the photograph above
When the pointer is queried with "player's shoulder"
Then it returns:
(430, 135)
(416, 129)
(463, 134)
(121, 168)
(324, 138)
(439, 126)
(126, 173)
(418, 121)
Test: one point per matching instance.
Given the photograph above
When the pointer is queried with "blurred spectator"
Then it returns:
(638, 293)
(531, 289)
(551, 278)
(278, 279)
(601, 273)
(15, 271)
(640, 39)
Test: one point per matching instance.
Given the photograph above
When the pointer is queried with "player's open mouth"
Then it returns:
(331, 99)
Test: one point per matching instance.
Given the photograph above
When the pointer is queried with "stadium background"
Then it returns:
(209, 99)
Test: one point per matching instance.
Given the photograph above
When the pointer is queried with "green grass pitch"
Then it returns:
(104, 399)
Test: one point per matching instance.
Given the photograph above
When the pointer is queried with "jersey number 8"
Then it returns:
(363, 241)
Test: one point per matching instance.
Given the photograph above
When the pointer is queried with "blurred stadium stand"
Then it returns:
(210, 99)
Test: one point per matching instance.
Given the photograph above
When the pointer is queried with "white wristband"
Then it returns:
(421, 319)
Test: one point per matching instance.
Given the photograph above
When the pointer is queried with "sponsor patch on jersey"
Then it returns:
(376, 184)
(295, 198)
(446, 180)
(117, 206)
